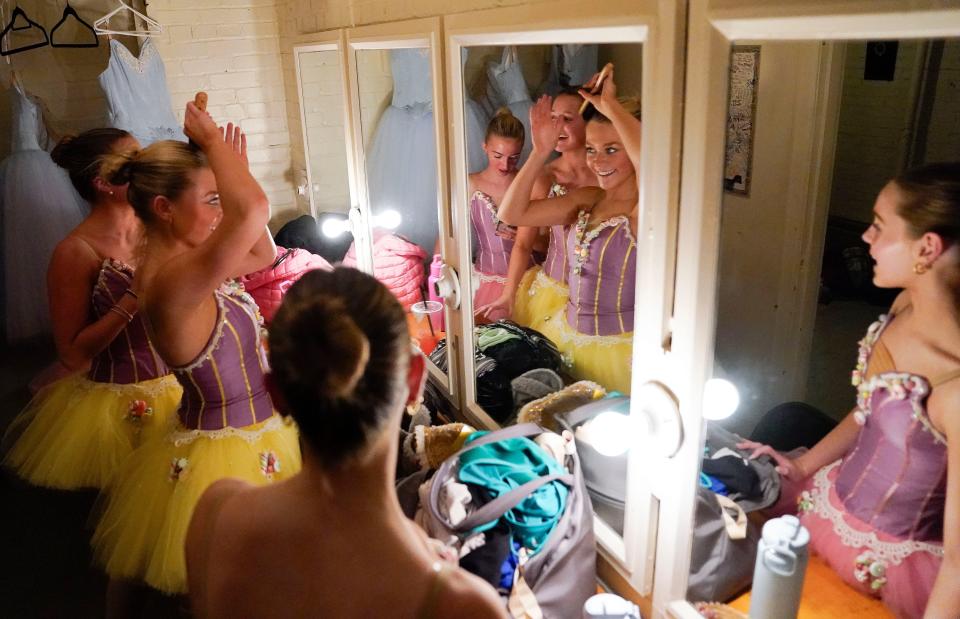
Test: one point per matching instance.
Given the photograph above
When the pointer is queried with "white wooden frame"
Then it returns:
(713, 26)
(658, 26)
(417, 33)
(331, 40)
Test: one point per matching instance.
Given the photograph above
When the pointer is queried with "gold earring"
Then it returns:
(920, 268)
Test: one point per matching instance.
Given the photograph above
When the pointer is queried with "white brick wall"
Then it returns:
(231, 50)
(943, 139)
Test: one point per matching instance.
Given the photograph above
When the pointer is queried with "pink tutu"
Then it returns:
(899, 572)
(490, 289)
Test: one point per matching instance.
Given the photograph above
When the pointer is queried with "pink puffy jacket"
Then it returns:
(267, 286)
(397, 263)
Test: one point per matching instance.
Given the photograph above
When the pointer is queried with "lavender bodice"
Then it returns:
(130, 357)
(602, 276)
(493, 251)
(556, 264)
(224, 385)
(895, 476)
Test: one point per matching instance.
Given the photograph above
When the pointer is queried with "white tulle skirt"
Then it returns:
(40, 207)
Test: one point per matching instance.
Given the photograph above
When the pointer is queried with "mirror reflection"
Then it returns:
(552, 205)
(400, 158)
(838, 209)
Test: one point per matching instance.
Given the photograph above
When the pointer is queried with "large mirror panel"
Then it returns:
(808, 282)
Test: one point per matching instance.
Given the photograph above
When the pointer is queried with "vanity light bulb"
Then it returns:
(610, 433)
(332, 228)
(720, 399)
(389, 219)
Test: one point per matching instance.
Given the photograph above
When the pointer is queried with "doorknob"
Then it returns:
(448, 286)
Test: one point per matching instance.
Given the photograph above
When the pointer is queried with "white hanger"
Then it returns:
(102, 25)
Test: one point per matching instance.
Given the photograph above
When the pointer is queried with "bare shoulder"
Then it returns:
(466, 596)
(75, 252)
(211, 508)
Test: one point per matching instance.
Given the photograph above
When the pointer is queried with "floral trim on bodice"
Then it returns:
(900, 385)
(557, 190)
(487, 202)
(818, 503)
(584, 237)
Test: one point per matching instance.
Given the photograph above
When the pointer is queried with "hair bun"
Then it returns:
(346, 350)
(117, 168)
(61, 152)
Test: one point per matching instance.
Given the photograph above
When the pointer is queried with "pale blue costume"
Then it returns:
(136, 90)
(40, 207)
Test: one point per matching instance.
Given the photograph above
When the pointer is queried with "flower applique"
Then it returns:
(138, 409)
(269, 464)
(870, 570)
(178, 467)
(804, 502)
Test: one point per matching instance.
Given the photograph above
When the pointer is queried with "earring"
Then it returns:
(920, 268)
(111, 193)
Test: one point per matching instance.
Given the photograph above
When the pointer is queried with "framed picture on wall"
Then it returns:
(741, 117)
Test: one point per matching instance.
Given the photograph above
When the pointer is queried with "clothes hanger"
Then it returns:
(102, 25)
(12, 26)
(68, 11)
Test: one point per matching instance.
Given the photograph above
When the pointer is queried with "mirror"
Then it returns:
(815, 130)
(327, 175)
(570, 293)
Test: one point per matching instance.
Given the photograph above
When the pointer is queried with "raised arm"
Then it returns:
(627, 126)
(190, 277)
(71, 276)
(264, 252)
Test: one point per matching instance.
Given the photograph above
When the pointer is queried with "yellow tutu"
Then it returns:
(142, 531)
(75, 433)
(604, 359)
(539, 296)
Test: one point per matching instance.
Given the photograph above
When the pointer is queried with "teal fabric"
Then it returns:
(508, 464)
(491, 336)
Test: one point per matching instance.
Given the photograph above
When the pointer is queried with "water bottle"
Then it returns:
(609, 606)
(432, 293)
(780, 568)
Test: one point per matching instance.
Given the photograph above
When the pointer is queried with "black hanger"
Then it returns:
(18, 12)
(69, 11)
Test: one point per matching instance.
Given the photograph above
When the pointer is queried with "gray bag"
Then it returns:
(556, 581)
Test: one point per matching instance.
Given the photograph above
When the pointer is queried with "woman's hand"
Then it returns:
(791, 468)
(607, 97)
(504, 303)
(236, 139)
(199, 127)
(544, 128)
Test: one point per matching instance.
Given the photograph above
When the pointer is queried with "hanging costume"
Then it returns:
(402, 164)
(594, 330)
(877, 514)
(76, 432)
(543, 290)
(40, 207)
(225, 427)
(136, 91)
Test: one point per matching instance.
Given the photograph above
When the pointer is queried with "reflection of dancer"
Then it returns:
(594, 329)
(531, 295)
(77, 431)
(344, 370)
(880, 493)
(494, 241)
(39, 208)
(209, 334)
(509, 85)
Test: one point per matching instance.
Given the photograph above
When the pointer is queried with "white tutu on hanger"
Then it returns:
(40, 207)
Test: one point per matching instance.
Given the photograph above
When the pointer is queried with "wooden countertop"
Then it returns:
(825, 596)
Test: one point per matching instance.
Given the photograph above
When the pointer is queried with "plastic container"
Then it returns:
(609, 606)
(780, 569)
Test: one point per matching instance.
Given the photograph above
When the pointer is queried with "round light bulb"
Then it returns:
(720, 399)
(389, 219)
(332, 228)
(610, 434)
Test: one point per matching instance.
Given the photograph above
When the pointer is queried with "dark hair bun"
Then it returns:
(61, 152)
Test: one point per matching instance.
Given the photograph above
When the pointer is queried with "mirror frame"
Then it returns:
(626, 563)
(713, 26)
(330, 40)
(416, 33)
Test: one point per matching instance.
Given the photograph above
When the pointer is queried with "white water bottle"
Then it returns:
(780, 568)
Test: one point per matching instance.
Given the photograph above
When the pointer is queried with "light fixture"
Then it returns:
(389, 219)
(658, 407)
(609, 433)
(650, 418)
(333, 227)
(720, 399)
